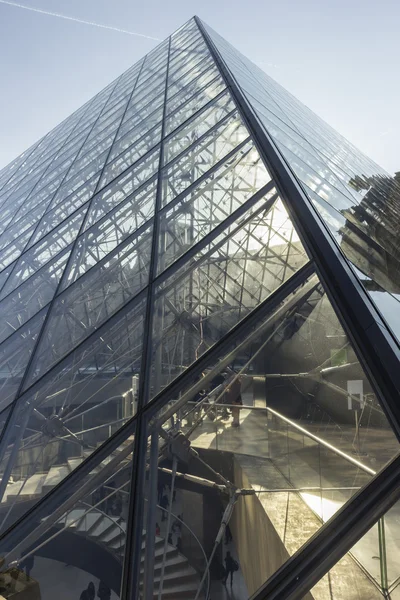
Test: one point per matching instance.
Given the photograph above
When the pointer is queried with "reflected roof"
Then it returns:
(358, 200)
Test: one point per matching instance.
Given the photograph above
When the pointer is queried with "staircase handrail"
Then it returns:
(301, 429)
(197, 540)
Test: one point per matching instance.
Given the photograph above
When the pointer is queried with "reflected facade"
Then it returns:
(183, 405)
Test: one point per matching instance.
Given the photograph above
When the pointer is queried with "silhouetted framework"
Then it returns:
(199, 300)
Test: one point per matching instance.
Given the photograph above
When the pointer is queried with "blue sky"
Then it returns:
(340, 57)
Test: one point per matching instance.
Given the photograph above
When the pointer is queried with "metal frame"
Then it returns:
(376, 349)
(309, 564)
(361, 321)
(48, 504)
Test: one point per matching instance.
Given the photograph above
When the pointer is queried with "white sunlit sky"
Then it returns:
(339, 57)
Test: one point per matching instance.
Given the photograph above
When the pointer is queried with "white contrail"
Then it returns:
(53, 14)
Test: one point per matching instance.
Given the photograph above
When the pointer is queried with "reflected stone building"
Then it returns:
(199, 300)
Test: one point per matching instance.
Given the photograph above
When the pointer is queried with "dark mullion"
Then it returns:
(136, 141)
(46, 505)
(201, 139)
(220, 228)
(196, 114)
(26, 246)
(31, 151)
(148, 153)
(128, 240)
(133, 541)
(193, 186)
(337, 537)
(178, 156)
(174, 267)
(12, 417)
(191, 82)
(38, 159)
(48, 168)
(191, 118)
(375, 347)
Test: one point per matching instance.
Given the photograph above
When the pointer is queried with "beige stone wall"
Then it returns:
(260, 549)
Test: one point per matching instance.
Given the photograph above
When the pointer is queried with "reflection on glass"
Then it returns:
(377, 553)
(222, 283)
(285, 425)
(89, 396)
(198, 212)
(357, 199)
(83, 547)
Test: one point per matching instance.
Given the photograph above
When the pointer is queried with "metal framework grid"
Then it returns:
(143, 239)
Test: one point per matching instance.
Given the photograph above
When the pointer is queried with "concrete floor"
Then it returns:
(306, 464)
(260, 443)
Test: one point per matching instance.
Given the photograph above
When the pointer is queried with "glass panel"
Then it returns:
(198, 126)
(201, 156)
(82, 551)
(210, 203)
(74, 183)
(141, 112)
(142, 145)
(5, 273)
(184, 110)
(216, 288)
(336, 176)
(88, 397)
(175, 549)
(35, 258)
(120, 189)
(26, 223)
(133, 136)
(63, 210)
(198, 83)
(30, 297)
(15, 353)
(185, 61)
(287, 416)
(178, 85)
(98, 241)
(93, 299)
(371, 568)
(14, 250)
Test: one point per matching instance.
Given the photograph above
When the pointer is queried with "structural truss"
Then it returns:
(191, 231)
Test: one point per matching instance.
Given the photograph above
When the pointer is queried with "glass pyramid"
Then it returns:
(199, 291)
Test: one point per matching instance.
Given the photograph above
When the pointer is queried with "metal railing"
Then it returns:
(287, 443)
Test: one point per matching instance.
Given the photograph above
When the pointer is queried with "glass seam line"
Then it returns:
(38, 142)
(335, 538)
(172, 133)
(64, 121)
(180, 261)
(172, 203)
(258, 313)
(160, 277)
(293, 125)
(11, 417)
(148, 153)
(133, 540)
(212, 235)
(367, 331)
(26, 248)
(55, 155)
(14, 220)
(194, 249)
(27, 373)
(30, 151)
